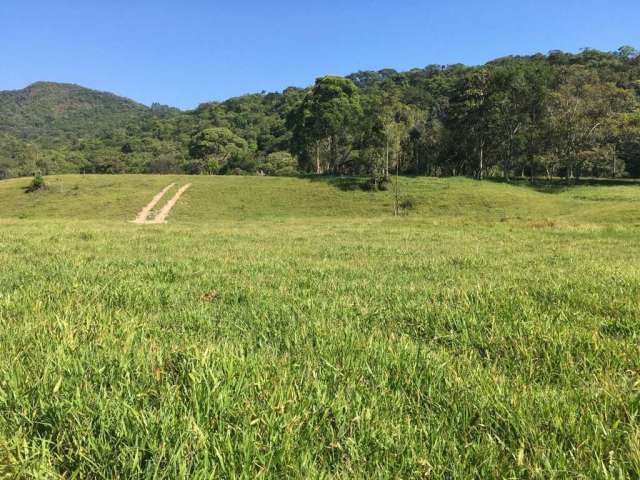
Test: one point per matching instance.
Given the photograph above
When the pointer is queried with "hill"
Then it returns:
(49, 113)
(560, 114)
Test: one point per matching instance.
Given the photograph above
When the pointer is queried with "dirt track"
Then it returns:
(162, 214)
(143, 217)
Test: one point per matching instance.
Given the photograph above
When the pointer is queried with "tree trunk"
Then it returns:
(318, 170)
(531, 170)
(397, 198)
(386, 156)
(480, 174)
(333, 155)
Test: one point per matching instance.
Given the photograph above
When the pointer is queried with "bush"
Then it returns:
(375, 184)
(240, 164)
(407, 203)
(403, 205)
(36, 184)
(281, 164)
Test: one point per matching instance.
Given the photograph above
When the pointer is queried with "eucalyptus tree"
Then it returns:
(579, 111)
(327, 122)
(623, 140)
(506, 113)
(468, 123)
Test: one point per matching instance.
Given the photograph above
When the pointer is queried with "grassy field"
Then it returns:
(295, 328)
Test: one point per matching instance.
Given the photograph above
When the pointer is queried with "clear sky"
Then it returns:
(185, 52)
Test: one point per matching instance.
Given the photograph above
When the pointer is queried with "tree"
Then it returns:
(386, 109)
(627, 53)
(506, 113)
(397, 121)
(326, 121)
(469, 121)
(579, 110)
(538, 85)
(213, 147)
(622, 135)
(424, 145)
(280, 164)
(560, 113)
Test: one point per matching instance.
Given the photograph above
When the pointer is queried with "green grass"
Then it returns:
(295, 328)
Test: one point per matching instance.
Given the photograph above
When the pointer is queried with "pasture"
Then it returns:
(295, 328)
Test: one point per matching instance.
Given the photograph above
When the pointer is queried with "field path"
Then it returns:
(144, 213)
(162, 214)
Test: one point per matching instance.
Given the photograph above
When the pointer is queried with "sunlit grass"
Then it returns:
(286, 327)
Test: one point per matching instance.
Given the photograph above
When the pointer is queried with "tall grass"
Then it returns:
(493, 333)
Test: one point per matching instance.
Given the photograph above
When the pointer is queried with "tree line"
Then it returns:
(559, 114)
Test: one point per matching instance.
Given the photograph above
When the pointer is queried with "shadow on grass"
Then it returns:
(539, 184)
(558, 185)
(346, 184)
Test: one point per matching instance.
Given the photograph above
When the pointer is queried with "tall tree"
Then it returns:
(506, 113)
(326, 121)
(579, 110)
(469, 122)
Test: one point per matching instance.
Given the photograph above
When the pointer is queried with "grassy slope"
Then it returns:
(118, 198)
(492, 333)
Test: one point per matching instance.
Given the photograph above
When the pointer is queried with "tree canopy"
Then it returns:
(560, 114)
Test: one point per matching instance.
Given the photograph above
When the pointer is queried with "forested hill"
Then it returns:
(50, 113)
(556, 114)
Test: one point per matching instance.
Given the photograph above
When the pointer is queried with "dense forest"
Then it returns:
(560, 114)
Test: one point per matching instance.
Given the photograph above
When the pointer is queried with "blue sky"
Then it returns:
(185, 52)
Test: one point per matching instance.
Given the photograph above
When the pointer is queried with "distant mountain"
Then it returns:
(49, 112)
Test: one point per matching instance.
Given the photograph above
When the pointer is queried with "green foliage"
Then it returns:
(36, 184)
(280, 164)
(327, 119)
(216, 142)
(241, 163)
(49, 113)
(377, 182)
(559, 114)
(214, 148)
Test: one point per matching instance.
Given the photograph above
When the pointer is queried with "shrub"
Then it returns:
(376, 183)
(36, 184)
(240, 164)
(280, 164)
(407, 203)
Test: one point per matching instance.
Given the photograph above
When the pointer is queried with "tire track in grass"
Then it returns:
(144, 213)
(162, 214)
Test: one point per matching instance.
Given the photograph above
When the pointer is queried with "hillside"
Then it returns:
(560, 114)
(49, 113)
(214, 199)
